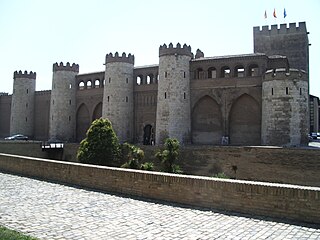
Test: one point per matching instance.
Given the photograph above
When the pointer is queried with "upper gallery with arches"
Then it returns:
(238, 66)
(90, 81)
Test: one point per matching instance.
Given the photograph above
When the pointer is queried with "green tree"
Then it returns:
(101, 146)
(170, 155)
(132, 155)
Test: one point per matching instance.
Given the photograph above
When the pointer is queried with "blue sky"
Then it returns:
(34, 34)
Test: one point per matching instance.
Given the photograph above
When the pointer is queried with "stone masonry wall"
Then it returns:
(274, 200)
(22, 105)
(118, 98)
(63, 104)
(285, 108)
(173, 105)
(267, 164)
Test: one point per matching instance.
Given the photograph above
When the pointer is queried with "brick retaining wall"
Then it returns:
(269, 164)
(275, 200)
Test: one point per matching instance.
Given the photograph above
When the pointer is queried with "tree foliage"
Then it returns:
(101, 146)
(132, 155)
(170, 155)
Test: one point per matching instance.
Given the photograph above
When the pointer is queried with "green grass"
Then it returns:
(7, 234)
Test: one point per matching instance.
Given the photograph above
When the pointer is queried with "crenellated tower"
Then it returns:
(22, 105)
(63, 102)
(173, 106)
(285, 113)
(289, 41)
(118, 94)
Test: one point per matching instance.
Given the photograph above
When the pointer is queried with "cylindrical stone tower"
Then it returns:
(22, 105)
(285, 115)
(63, 102)
(173, 107)
(118, 94)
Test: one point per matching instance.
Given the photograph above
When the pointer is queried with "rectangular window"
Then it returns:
(287, 91)
(271, 91)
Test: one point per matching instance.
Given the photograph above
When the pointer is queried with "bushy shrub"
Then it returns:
(221, 175)
(169, 156)
(148, 166)
(101, 146)
(132, 155)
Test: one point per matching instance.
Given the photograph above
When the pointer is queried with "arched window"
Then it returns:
(239, 71)
(200, 74)
(81, 85)
(253, 70)
(225, 72)
(89, 84)
(212, 72)
(97, 83)
(139, 80)
(150, 79)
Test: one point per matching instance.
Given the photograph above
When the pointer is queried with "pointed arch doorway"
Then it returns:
(148, 135)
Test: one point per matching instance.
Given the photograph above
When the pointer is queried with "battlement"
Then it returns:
(123, 58)
(60, 67)
(170, 50)
(25, 74)
(274, 30)
(199, 54)
(283, 74)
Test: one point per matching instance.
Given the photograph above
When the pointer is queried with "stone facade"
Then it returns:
(62, 120)
(199, 100)
(22, 104)
(285, 107)
(118, 95)
(173, 108)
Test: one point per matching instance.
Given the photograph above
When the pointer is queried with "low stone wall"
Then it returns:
(267, 164)
(275, 200)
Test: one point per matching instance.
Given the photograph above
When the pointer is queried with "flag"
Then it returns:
(274, 13)
(265, 14)
(284, 13)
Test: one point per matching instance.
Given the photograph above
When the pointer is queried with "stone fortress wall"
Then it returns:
(226, 95)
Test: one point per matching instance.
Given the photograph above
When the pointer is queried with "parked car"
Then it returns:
(17, 137)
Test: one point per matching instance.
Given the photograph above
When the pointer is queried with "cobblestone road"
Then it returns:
(52, 211)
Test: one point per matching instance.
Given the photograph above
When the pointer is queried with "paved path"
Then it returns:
(52, 211)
